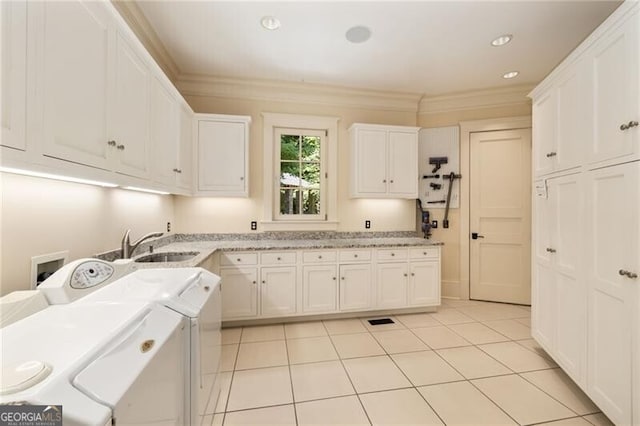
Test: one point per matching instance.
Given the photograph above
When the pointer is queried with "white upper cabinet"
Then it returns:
(614, 61)
(384, 161)
(183, 169)
(74, 79)
(13, 21)
(164, 133)
(223, 155)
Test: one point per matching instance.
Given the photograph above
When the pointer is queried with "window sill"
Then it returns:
(299, 226)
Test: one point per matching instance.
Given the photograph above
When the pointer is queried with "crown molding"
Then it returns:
(139, 24)
(478, 99)
(310, 93)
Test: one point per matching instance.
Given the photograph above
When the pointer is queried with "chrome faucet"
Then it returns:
(127, 249)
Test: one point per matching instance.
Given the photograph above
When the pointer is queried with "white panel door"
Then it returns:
(424, 283)
(544, 133)
(616, 101)
(131, 111)
(371, 162)
(500, 195)
(319, 289)
(278, 291)
(75, 75)
(355, 287)
(221, 157)
(13, 16)
(239, 293)
(403, 164)
(184, 168)
(164, 133)
(613, 213)
(391, 285)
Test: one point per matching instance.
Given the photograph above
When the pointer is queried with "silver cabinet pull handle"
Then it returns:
(551, 154)
(551, 250)
(111, 143)
(632, 124)
(628, 274)
(624, 126)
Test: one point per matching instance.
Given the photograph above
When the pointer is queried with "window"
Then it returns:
(300, 169)
(301, 190)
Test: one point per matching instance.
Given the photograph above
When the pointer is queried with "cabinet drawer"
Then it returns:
(278, 258)
(424, 253)
(387, 255)
(355, 255)
(319, 256)
(231, 258)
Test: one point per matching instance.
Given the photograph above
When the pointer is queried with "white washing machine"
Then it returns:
(194, 293)
(106, 363)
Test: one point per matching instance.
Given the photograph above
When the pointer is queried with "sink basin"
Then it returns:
(167, 257)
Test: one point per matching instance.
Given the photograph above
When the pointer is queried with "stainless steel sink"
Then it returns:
(168, 257)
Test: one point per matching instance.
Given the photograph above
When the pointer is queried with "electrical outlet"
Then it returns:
(254, 225)
(367, 224)
(168, 226)
(434, 224)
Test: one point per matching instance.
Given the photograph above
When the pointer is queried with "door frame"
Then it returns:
(466, 128)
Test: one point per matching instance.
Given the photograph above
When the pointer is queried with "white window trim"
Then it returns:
(271, 121)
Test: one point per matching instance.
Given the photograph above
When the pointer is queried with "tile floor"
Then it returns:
(471, 363)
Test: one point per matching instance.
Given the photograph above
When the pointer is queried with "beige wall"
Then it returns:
(235, 215)
(41, 216)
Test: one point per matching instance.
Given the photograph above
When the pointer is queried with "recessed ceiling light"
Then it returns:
(270, 22)
(358, 34)
(502, 40)
(511, 74)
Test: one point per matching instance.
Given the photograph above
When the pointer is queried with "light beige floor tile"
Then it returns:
(574, 421)
(461, 403)
(513, 329)
(356, 345)
(425, 368)
(398, 341)
(261, 354)
(525, 403)
(524, 321)
(397, 325)
(311, 349)
(472, 363)
(440, 337)
(304, 329)
(417, 320)
(598, 419)
(533, 346)
(557, 384)
(263, 333)
(228, 357)
(335, 411)
(207, 420)
(231, 335)
(282, 415)
(375, 374)
(457, 303)
(495, 311)
(516, 357)
(478, 333)
(320, 380)
(225, 387)
(260, 388)
(217, 419)
(344, 326)
(451, 316)
(398, 407)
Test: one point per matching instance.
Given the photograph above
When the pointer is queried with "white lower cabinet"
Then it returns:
(424, 283)
(391, 291)
(355, 287)
(278, 291)
(319, 289)
(239, 292)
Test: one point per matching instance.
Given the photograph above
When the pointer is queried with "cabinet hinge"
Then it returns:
(326, 175)
(326, 133)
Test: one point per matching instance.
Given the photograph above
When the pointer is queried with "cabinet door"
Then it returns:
(616, 100)
(370, 162)
(544, 133)
(239, 293)
(164, 133)
(543, 306)
(613, 211)
(391, 285)
(403, 164)
(131, 110)
(424, 283)
(184, 169)
(278, 291)
(319, 289)
(355, 287)
(74, 72)
(13, 22)
(222, 151)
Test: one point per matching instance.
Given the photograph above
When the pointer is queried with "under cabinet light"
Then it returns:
(151, 191)
(56, 177)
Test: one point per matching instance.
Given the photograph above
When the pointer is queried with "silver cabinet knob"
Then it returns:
(551, 154)
(264, 281)
(384, 181)
(120, 147)
(254, 283)
(278, 258)
(334, 278)
(241, 177)
(320, 257)
(391, 181)
(111, 143)
(424, 253)
(238, 260)
(342, 278)
(413, 274)
(355, 255)
(405, 274)
(633, 124)
(393, 254)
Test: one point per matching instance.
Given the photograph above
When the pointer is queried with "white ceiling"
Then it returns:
(424, 47)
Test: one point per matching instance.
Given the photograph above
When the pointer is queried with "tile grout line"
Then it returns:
(233, 372)
(293, 394)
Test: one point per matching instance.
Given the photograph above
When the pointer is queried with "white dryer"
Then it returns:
(107, 363)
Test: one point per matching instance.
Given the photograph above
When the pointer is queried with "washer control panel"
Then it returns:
(91, 273)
